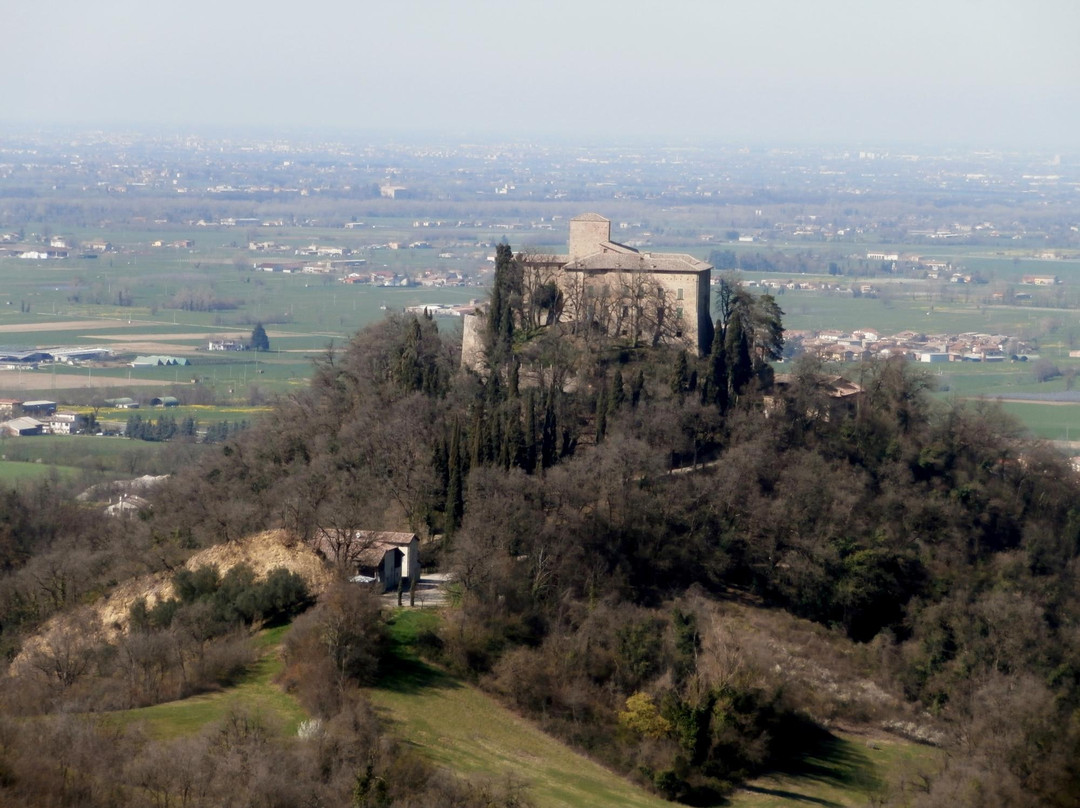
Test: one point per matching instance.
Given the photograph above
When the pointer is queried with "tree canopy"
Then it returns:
(259, 341)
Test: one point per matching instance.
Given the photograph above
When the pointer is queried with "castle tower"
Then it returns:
(588, 233)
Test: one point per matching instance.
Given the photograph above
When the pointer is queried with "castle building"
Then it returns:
(643, 296)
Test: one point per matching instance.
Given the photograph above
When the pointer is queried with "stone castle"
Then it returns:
(607, 287)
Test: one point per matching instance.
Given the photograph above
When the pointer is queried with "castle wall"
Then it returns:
(627, 303)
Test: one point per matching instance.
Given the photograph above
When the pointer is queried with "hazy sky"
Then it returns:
(977, 72)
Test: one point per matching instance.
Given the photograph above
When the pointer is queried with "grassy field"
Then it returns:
(255, 693)
(130, 300)
(843, 770)
(96, 456)
(1058, 422)
(13, 472)
(460, 727)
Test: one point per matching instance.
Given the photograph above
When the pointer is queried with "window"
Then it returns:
(678, 294)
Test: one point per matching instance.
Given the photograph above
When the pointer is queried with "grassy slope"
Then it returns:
(843, 770)
(460, 727)
(256, 692)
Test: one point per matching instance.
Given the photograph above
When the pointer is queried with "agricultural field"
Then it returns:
(90, 458)
(149, 300)
(13, 472)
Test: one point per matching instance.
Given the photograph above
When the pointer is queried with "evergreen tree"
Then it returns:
(718, 377)
(259, 341)
(504, 289)
(637, 387)
(478, 437)
(549, 434)
(512, 384)
(530, 432)
(737, 347)
(601, 414)
(768, 329)
(455, 485)
(134, 427)
(514, 437)
(680, 375)
(618, 392)
(408, 372)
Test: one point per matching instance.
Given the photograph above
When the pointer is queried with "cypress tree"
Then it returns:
(495, 437)
(680, 375)
(737, 347)
(530, 432)
(618, 392)
(515, 367)
(515, 437)
(637, 387)
(549, 434)
(601, 415)
(718, 377)
(455, 487)
(478, 437)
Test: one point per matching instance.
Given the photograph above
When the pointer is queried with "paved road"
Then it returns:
(430, 592)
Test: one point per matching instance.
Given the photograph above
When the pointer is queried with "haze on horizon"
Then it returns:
(990, 74)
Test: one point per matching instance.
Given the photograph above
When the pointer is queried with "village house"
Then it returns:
(66, 423)
(21, 427)
(372, 556)
(8, 406)
(835, 394)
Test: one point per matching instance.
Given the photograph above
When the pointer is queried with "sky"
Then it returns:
(981, 73)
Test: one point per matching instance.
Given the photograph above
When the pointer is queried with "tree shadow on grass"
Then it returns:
(817, 755)
(411, 676)
(794, 796)
(402, 671)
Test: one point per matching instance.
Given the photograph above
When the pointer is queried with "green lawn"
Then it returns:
(1047, 421)
(96, 455)
(459, 727)
(843, 770)
(255, 693)
(13, 471)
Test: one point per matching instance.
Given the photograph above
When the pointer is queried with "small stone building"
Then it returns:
(372, 556)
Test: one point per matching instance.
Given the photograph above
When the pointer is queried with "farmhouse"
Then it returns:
(20, 427)
(370, 556)
(66, 423)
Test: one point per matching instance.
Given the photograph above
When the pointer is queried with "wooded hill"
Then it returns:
(598, 503)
